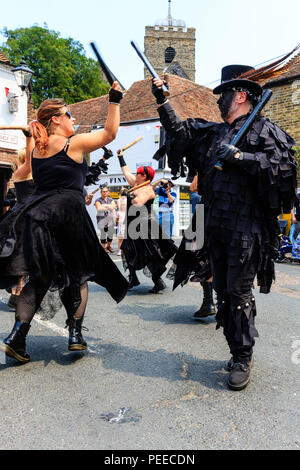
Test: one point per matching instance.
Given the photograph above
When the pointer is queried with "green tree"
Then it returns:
(61, 68)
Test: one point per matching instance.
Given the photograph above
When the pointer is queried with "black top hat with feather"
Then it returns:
(247, 77)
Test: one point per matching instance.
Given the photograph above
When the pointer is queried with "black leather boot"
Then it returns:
(240, 374)
(208, 307)
(133, 280)
(76, 341)
(158, 286)
(15, 343)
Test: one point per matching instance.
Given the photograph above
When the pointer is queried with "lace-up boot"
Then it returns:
(240, 374)
(76, 341)
(208, 307)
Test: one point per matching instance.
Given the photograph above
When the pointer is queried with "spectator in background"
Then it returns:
(195, 198)
(296, 216)
(166, 199)
(106, 209)
(121, 205)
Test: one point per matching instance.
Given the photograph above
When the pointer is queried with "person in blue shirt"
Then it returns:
(166, 199)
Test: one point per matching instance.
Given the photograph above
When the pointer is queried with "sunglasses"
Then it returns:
(144, 173)
(68, 114)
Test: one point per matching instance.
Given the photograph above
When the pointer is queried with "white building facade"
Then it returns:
(13, 111)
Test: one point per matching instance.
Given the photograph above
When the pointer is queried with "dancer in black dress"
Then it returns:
(51, 238)
(145, 246)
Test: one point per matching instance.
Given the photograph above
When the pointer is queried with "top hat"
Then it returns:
(229, 80)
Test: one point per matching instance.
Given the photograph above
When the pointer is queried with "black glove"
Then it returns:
(121, 160)
(245, 160)
(115, 96)
(103, 166)
(107, 153)
(227, 152)
(158, 93)
(94, 172)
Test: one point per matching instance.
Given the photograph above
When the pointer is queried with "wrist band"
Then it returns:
(122, 161)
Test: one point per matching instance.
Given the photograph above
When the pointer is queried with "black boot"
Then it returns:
(133, 280)
(208, 307)
(76, 341)
(240, 374)
(15, 343)
(158, 286)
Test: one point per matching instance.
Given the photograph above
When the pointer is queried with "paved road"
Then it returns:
(153, 378)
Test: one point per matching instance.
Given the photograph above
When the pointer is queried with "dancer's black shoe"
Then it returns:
(15, 344)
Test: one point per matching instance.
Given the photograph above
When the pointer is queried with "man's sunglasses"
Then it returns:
(144, 173)
(68, 114)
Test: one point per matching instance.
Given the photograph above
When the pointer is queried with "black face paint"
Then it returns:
(224, 102)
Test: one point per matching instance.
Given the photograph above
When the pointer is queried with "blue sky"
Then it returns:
(227, 31)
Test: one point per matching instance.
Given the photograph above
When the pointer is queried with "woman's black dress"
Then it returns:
(24, 189)
(145, 245)
(52, 236)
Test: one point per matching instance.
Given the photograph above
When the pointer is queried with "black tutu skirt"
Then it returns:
(151, 252)
(52, 236)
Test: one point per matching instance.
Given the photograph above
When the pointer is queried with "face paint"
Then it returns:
(224, 102)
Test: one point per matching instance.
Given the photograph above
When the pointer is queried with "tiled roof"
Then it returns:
(293, 71)
(3, 58)
(188, 99)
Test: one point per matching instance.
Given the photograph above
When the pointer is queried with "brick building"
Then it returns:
(139, 117)
(188, 99)
(284, 107)
(170, 47)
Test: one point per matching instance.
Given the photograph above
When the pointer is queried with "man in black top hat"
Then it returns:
(241, 202)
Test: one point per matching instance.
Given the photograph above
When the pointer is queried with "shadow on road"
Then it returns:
(115, 357)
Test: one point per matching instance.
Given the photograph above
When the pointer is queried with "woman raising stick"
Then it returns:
(51, 238)
(145, 245)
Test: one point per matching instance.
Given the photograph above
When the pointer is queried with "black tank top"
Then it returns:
(23, 190)
(58, 171)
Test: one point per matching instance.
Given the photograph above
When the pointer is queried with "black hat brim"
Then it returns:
(239, 82)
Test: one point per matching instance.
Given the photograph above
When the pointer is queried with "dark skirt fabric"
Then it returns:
(191, 262)
(150, 251)
(52, 236)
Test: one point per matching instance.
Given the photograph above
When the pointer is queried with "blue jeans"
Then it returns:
(166, 220)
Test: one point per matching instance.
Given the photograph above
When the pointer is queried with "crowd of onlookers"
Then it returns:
(111, 213)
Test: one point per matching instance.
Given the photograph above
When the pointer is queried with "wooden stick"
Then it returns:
(19, 128)
(95, 190)
(139, 186)
(132, 143)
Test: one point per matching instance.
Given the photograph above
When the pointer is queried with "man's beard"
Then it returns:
(225, 102)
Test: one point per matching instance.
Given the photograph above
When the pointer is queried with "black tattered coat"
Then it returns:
(244, 201)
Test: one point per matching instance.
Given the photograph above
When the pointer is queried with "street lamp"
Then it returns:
(22, 74)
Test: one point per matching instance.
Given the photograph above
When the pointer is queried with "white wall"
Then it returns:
(11, 139)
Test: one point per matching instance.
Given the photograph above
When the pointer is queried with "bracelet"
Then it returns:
(111, 102)
(121, 161)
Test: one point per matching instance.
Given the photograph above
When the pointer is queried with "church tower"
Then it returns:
(170, 47)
